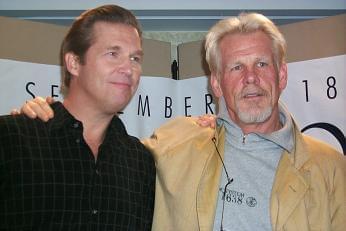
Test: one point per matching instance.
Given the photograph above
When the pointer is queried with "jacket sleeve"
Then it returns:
(338, 193)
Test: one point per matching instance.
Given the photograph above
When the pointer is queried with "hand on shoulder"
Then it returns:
(37, 108)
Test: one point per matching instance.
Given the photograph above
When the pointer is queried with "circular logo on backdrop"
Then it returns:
(251, 201)
(332, 129)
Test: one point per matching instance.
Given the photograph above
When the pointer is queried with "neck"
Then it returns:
(261, 128)
(94, 122)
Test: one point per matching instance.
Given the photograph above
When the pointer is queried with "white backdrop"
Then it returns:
(315, 95)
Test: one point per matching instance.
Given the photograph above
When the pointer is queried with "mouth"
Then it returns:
(121, 84)
(252, 95)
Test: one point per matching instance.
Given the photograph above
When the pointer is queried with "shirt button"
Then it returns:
(97, 172)
(75, 125)
(94, 211)
(77, 140)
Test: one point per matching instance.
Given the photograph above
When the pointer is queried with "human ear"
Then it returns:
(283, 77)
(72, 63)
(215, 85)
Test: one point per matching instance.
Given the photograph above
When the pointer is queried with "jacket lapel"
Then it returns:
(290, 185)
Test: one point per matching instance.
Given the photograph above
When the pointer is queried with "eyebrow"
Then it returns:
(118, 48)
(139, 52)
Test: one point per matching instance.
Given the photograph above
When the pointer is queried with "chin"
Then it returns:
(255, 116)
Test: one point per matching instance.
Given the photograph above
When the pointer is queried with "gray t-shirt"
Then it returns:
(251, 161)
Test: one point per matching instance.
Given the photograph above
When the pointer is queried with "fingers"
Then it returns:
(207, 121)
(27, 110)
(38, 107)
(50, 100)
(15, 112)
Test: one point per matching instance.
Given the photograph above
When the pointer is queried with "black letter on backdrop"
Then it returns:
(187, 106)
(208, 101)
(146, 105)
(52, 93)
(28, 90)
(168, 107)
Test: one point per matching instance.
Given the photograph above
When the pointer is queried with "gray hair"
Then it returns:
(244, 23)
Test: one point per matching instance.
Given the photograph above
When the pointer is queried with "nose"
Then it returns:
(250, 76)
(125, 67)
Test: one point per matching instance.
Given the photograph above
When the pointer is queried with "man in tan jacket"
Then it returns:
(255, 170)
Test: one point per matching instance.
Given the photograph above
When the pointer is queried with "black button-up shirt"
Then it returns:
(50, 180)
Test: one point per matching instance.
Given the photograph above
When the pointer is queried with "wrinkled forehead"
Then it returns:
(242, 44)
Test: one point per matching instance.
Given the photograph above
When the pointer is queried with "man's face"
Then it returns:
(112, 67)
(249, 82)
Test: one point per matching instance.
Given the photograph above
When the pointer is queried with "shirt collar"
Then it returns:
(63, 119)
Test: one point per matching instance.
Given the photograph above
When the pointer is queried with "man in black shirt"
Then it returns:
(81, 170)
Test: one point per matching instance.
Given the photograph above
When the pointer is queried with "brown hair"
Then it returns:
(80, 36)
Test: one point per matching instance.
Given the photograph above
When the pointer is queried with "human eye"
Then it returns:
(136, 58)
(262, 64)
(113, 54)
(237, 67)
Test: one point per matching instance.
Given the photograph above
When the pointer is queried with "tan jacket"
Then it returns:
(308, 191)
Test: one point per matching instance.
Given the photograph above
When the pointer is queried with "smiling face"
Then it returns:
(110, 73)
(250, 82)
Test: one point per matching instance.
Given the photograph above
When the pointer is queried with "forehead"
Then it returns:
(245, 43)
(108, 32)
